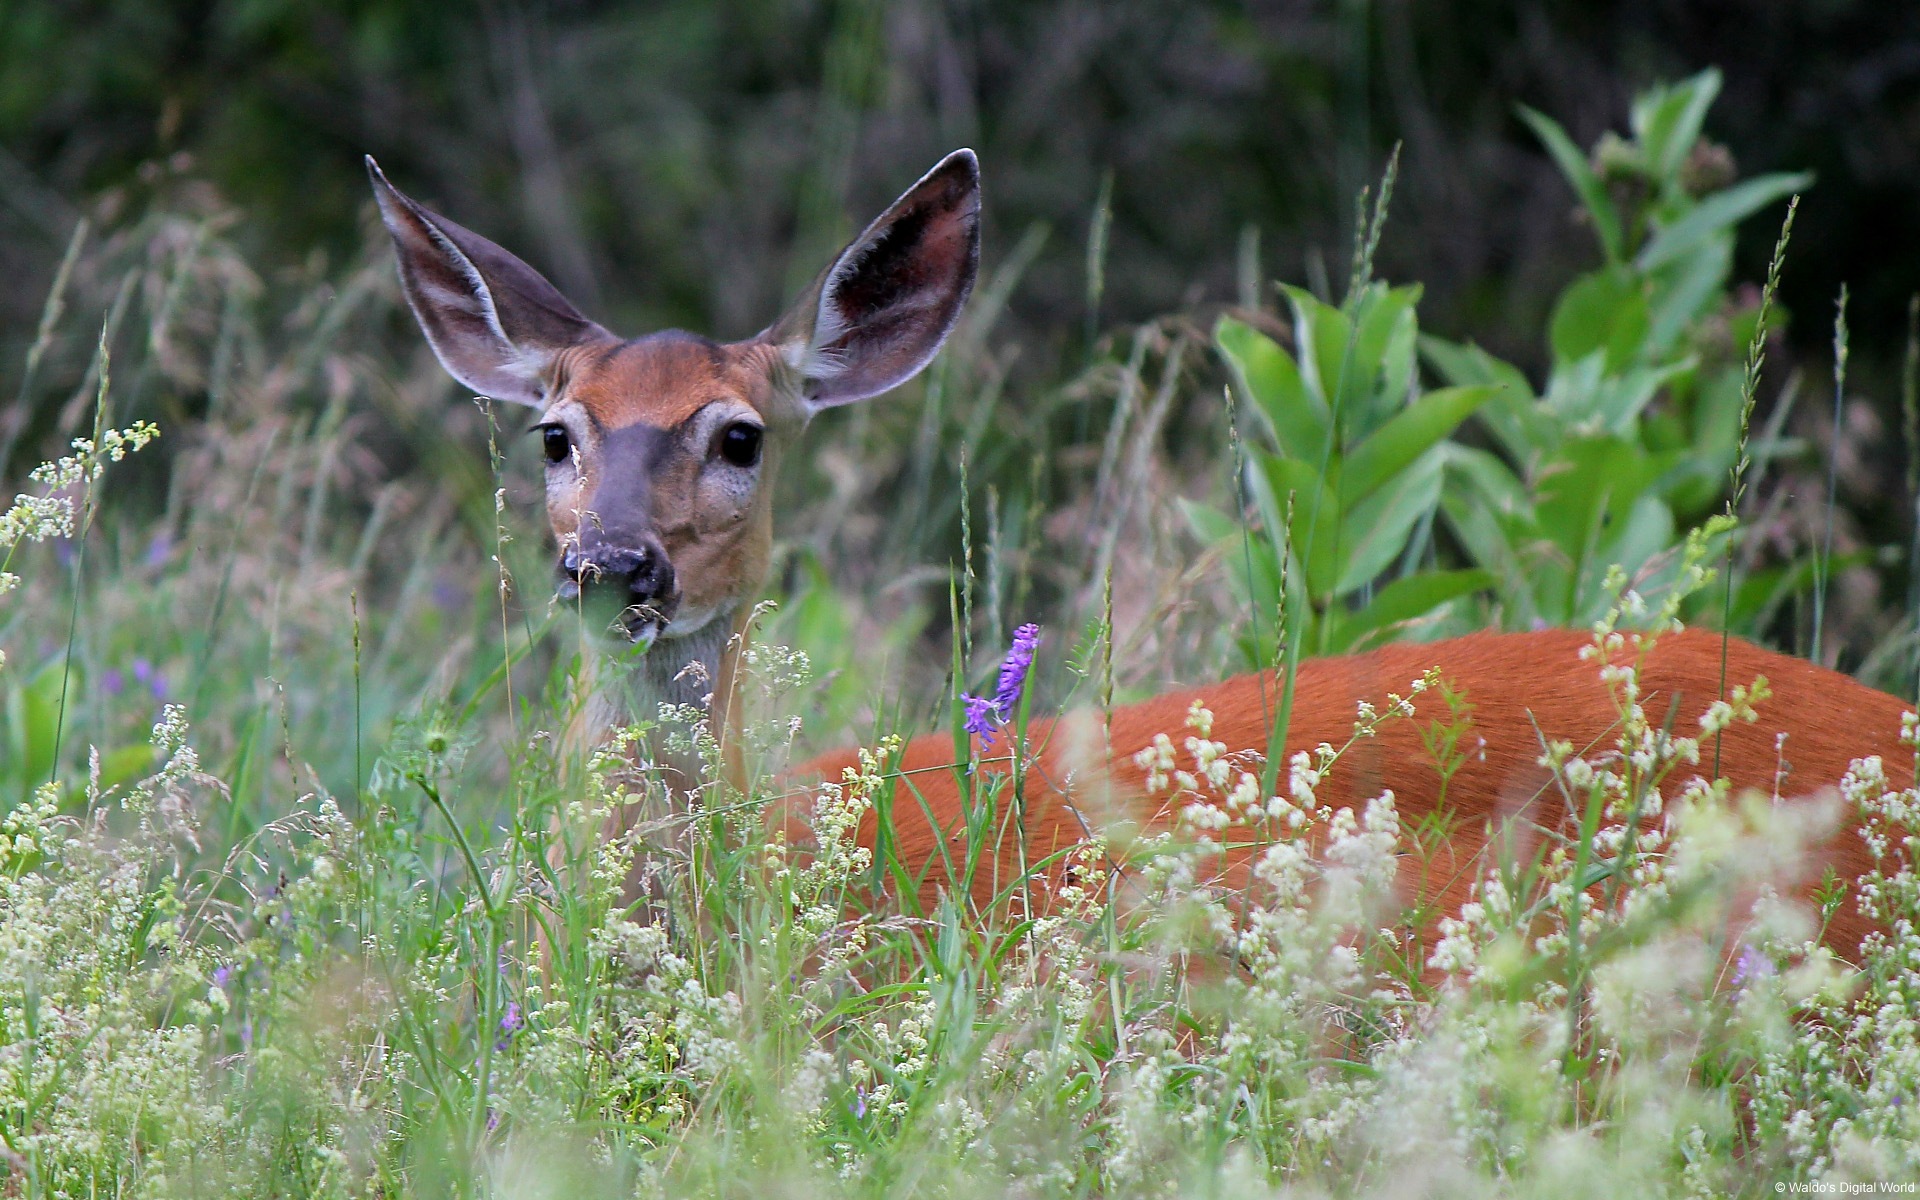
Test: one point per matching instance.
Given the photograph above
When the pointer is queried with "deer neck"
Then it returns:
(684, 672)
(694, 674)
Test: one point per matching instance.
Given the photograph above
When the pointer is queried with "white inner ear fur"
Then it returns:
(810, 356)
(521, 363)
(480, 295)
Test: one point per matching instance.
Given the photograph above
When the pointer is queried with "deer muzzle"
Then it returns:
(631, 585)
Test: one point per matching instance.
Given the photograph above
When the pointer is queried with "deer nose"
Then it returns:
(643, 571)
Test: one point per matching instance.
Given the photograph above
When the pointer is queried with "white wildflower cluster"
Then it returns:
(769, 679)
(1596, 970)
(1641, 803)
(837, 859)
(1296, 902)
(103, 1020)
(52, 515)
(1051, 986)
(53, 512)
(1218, 788)
(167, 792)
(1837, 1086)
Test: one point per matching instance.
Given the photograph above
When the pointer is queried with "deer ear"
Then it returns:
(494, 322)
(886, 304)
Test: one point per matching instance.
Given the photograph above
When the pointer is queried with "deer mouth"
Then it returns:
(611, 609)
(642, 624)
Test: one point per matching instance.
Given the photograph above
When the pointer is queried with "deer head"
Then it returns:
(661, 450)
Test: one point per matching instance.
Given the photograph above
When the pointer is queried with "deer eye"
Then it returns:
(740, 443)
(555, 443)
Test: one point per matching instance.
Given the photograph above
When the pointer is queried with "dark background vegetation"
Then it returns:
(683, 162)
(691, 163)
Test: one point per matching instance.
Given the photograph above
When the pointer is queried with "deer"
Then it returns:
(661, 452)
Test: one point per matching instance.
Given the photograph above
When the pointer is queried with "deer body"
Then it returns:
(661, 452)
(1522, 687)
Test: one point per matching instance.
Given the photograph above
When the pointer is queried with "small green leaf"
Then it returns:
(1511, 413)
(1380, 363)
(1716, 214)
(1409, 599)
(1573, 164)
(1208, 523)
(1632, 540)
(1605, 310)
(1315, 533)
(1686, 290)
(1411, 433)
(1590, 477)
(1322, 334)
(1376, 529)
(1587, 400)
(1667, 121)
(1269, 382)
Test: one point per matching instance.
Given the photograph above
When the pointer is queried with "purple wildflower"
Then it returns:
(493, 1120)
(246, 1034)
(981, 716)
(1750, 966)
(113, 681)
(159, 549)
(984, 715)
(156, 682)
(1013, 671)
(511, 1022)
(859, 1105)
(222, 975)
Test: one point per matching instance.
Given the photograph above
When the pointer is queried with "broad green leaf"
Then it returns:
(1510, 414)
(1605, 310)
(1208, 523)
(1410, 434)
(1572, 394)
(1633, 540)
(1380, 363)
(33, 713)
(1490, 514)
(1376, 529)
(1589, 505)
(125, 765)
(1490, 480)
(1399, 365)
(1590, 476)
(1270, 384)
(1589, 401)
(1409, 599)
(1464, 364)
(1619, 400)
(1573, 164)
(1686, 289)
(1322, 335)
(1315, 531)
(1720, 211)
(1667, 120)
(1693, 485)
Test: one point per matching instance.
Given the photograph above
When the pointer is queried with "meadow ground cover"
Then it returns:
(299, 894)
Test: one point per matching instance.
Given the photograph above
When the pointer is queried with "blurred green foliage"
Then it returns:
(1356, 459)
(687, 162)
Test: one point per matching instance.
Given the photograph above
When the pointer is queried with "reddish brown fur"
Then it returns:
(1514, 681)
(662, 382)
